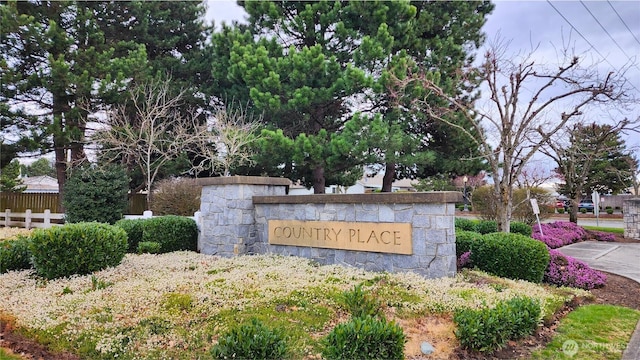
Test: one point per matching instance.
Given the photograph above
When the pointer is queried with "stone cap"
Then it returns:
(243, 180)
(372, 198)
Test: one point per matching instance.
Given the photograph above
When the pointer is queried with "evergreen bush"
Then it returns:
(80, 248)
(149, 247)
(486, 226)
(521, 228)
(96, 194)
(359, 303)
(465, 224)
(14, 254)
(251, 341)
(134, 229)
(513, 256)
(489, 329)
(465, 240)
(364, 338)
(174, 233)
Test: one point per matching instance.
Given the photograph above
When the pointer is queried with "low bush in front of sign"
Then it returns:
(513, 256)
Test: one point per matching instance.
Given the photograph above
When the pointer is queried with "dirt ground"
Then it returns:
(617, 291)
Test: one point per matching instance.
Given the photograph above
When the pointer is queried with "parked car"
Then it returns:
(586, 204)
(559, 204)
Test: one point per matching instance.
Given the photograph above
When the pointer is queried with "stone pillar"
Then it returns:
(631, 211)
(227, 212)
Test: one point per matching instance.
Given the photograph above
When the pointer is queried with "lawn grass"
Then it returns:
(6, 356)
(605, 229)
(592, 332)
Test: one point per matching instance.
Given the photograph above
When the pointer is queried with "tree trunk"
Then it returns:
(503, 211)
(318, 180)
(573, 211)
(61, 173)
(389, 176)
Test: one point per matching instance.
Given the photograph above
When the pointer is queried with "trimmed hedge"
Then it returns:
(14, 254)
(486, 226)
(149, 247)
(80, 248)
(465, 240)
(174, 233)
(521, 228)
(512, 256)
(134, 229)
(465, 224)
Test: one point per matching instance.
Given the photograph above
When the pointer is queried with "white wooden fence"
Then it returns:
(43, 220)
(29, 220)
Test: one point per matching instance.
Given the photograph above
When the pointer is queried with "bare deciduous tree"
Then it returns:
(225, 141)
(148, 133)
(517, 119)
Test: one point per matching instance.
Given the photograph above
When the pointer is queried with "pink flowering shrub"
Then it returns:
(603, 236)
(464, 260)
(559, 233)
(567, 271)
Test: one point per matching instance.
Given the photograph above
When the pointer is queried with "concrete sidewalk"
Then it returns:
(616, 258)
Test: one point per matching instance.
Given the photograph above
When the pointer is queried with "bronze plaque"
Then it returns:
(392, 238)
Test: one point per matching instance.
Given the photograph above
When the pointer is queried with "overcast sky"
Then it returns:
(607, 31)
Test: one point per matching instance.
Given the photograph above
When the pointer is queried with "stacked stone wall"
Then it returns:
(631, 211)
(236, 211)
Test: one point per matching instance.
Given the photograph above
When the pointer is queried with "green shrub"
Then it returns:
(521, 228)
(465, 224)
(512, 256)
(80, 248)
(561, 211)
(14, 254)
(364, 338)
(486, 226)
(359, 303)
(489, 329)
(465, 240)
(96, 194)
(176, 197)
(583, 210)
(149, 247)
(251, 341)
(609, 211)
(134, 229)
(172, 232)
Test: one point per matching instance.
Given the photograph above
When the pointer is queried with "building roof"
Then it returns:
(40, 184)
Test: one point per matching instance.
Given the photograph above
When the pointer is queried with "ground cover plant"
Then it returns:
(559, 233)
(566, 271)
(178, 305)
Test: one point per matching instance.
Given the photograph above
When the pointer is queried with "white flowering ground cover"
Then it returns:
(174, 306)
